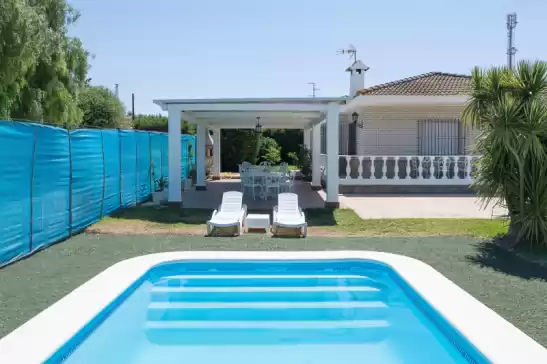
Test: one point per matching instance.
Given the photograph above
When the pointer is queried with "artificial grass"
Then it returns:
(143, 219)
(514, 288)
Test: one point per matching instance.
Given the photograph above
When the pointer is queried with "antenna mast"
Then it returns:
(511, 50)
(313, 88)
(351, 51)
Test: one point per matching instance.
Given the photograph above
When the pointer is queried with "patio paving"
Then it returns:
(211, 198)
(428, 206)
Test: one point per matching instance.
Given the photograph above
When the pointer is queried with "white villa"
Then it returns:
(401, 133)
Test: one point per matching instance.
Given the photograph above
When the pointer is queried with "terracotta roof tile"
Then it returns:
(427, 84)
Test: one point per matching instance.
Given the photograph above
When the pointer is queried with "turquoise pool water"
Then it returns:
(269, 312)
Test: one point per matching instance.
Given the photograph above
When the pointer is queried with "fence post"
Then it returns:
(69, 183)
(150, 169)
(32, 165)
(121, 166)
(136, 168)
(104, 174)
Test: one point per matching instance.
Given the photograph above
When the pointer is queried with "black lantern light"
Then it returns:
(258, 127)
(355, 120)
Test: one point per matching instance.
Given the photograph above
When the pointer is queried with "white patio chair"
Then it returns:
(250, 181)
(284, 167)
(231, 212)
(288, 214)
(270, 186)
(287, 182)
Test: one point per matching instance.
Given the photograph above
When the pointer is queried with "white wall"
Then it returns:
(391, 130)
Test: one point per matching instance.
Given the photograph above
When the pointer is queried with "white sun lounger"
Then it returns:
(231, 212)
(288, 214)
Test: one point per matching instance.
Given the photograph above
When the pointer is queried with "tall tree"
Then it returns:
(159, 123)
(100, 108)
(22, 39)
(52, 69)
(510, 109)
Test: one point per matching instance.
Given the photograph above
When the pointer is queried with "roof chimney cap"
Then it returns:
(358, 66)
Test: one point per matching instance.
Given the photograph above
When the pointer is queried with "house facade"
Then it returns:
(407, 132)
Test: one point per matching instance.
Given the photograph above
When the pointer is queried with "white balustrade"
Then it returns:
(408, 161)
(348, 167)
(438, 170)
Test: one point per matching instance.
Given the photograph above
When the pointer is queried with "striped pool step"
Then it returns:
(268, 325)
(266, 332)
(220, 281)
(266, 311)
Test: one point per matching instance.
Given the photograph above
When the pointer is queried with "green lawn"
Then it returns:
(515, 288)
(150, 219)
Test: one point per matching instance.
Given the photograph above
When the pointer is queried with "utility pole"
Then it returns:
(313, 88)
(511, 50)
(132, 106)
(117, 90)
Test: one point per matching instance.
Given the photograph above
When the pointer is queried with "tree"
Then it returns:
(237, 145)
(269, 151)
(42, 69)
(288, 140)
(159, 123)
(509, 107)
(100, 108)
(22, 39)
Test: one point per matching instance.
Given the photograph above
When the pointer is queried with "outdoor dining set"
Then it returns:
(265, 181)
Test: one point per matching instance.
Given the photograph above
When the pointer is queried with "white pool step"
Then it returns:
(277, 276)
(265, 305)
(158, 289)
(281, 325)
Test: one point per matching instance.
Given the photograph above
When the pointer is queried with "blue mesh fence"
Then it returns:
(56, 183)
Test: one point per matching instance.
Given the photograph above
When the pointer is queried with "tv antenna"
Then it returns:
(511, 50)
(313, 88)
(350, 50)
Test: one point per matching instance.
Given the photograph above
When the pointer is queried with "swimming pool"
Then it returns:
(234, 307)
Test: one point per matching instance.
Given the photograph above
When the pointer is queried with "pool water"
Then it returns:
(269, 312)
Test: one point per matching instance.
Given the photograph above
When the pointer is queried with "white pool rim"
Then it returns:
(497, 339)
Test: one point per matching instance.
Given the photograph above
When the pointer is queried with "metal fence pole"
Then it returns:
(136, 168)
(32, 166)
(69, 183)
(121, 166)
(104, 175)
(150, 169)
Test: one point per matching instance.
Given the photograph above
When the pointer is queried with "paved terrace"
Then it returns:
(387, 206)
(211, 198)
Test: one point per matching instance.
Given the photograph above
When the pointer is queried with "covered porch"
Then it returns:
(214, 115)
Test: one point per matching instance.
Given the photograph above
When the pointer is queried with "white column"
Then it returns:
(174, 114)
(333, 179)
(200, 157)
(216, 153)
(307, 138)
(316, 157)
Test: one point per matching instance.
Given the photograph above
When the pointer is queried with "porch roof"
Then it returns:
(287, 113)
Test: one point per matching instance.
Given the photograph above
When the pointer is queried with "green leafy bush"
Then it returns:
(100, 107)
(269, 151)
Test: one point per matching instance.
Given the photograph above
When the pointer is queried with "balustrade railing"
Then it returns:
(409, 170)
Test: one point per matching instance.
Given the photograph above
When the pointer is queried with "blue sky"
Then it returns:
(259, 48)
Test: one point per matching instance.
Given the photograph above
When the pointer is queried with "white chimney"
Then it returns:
(356, 77)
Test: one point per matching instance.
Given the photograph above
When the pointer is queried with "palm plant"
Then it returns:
(509, 108)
